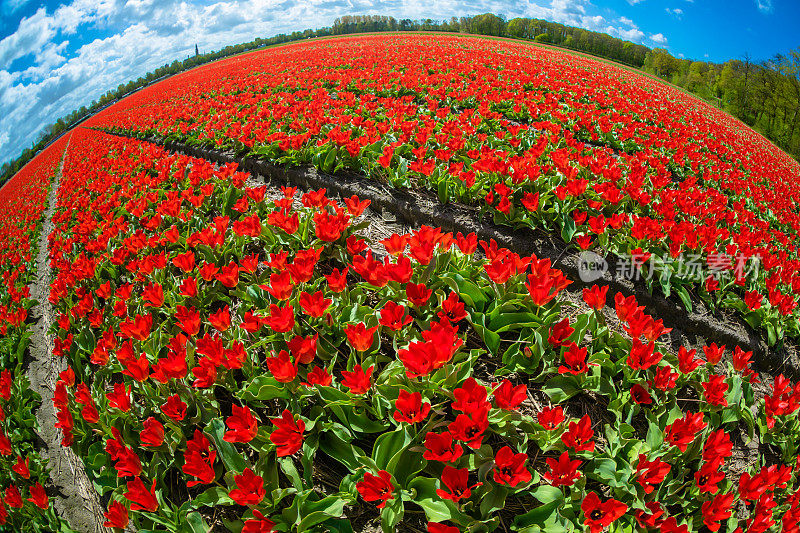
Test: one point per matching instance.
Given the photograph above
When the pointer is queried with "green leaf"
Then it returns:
(664, 280)
(490, 338)
(612, 473)
(494, 500)
(211, 498)
(568, 229)
(547, 493)
(754, 319)
(263, 388)
(444, 197)
(436, 510)
(288, 467)
(336, 443)
(258, 296)
(197, 523)
(388, 445)
(343, 406)
(330, 160)
(86, 340)
(472, 295)
(510, 321)
(561, 388)
(340, 525)
(772, 335)
(551, 497)
(655, 437)
(406, 464)
(579, 326)
(683, 294)
(391, 515)
(317, 512)
(230, 457)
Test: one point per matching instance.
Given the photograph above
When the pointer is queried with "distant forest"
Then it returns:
(763, 94)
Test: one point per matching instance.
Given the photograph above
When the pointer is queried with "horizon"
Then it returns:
(58, 57)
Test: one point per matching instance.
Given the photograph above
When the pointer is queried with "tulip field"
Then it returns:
(250, 356)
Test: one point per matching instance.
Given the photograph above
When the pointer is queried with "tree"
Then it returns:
(518, 28)
(488, 24)
(661, 63)
(696, 79)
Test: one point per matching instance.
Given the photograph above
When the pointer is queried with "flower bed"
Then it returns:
(251, 364)
(23, 472)
(612, 161)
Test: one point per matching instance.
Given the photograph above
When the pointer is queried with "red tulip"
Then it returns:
(243, 424)
(455, 481)
(249, 488)
(38, 496)
(174, 408)
(563, 472)
(152, 434)
(359, 380)
(142, 498)
(258, 524)
(359, 336)
(376, 488)
(288, 435)
(599, 515)
(22, 467)
(410, 408)
(509, 397)
(509, 467)
(116, 516)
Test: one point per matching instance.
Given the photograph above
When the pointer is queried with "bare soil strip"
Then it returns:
(76, 500)
(690, 328)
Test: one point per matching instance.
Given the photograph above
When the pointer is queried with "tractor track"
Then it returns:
(75, 499)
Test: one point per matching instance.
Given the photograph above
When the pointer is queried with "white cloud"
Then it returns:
(631, 34)
(69, 17)
(33, 33)
(658, 38)
(634, 2)
(10, 7)
(46, 59)
(567, 6)
(765, 6)
(677, 12)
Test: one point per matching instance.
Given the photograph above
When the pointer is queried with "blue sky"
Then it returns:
(57, 56)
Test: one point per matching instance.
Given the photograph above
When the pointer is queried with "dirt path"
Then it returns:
(77, 501)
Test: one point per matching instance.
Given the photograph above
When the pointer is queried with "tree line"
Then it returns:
(764, 94)
(541, 31)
